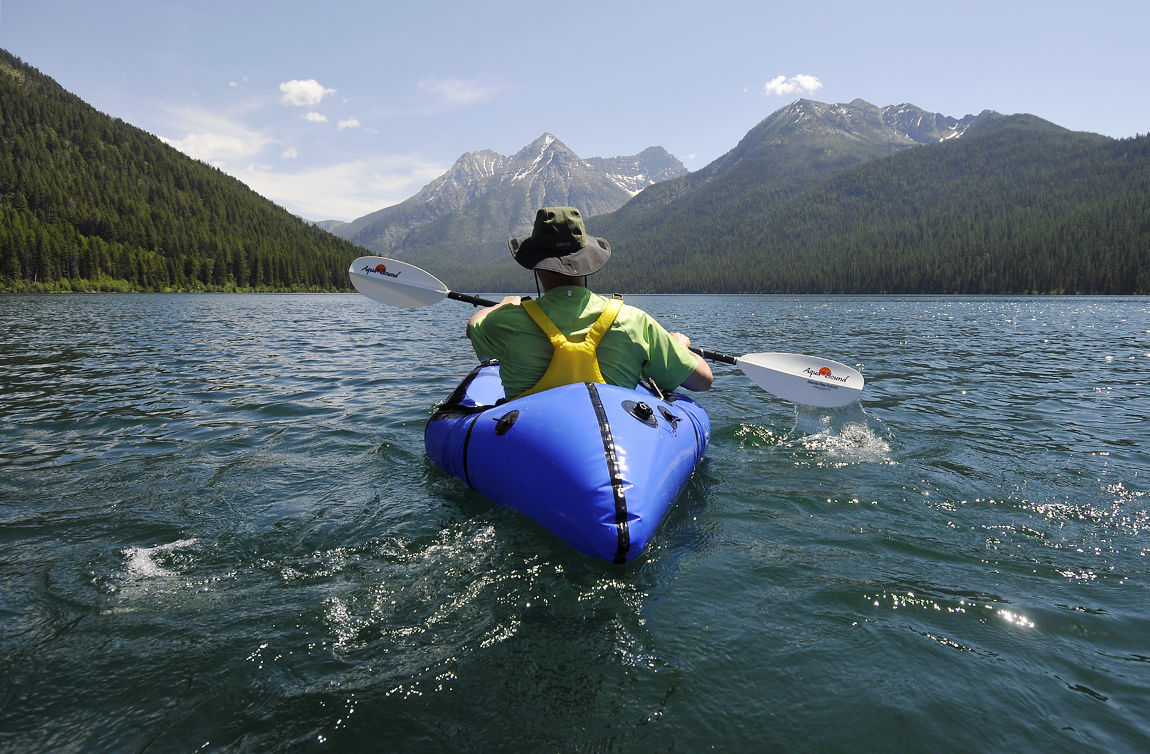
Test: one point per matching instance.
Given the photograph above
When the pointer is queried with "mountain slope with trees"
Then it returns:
(88, 202)
(1015, 205)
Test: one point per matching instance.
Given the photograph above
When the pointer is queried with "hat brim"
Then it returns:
(584, 261)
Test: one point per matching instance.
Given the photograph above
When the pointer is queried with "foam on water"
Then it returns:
(852, 443)
(843, 437)
(141, 563)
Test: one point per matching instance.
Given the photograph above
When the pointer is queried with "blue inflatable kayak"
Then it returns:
(597, 465)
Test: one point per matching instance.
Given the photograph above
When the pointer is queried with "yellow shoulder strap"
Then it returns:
(603, 324)
(572, 361)
(535, 311)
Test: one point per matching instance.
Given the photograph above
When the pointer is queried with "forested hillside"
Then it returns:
(1017, 205)
(89, 202)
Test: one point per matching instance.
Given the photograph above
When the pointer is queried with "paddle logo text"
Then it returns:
(382, 270)
(825, 373)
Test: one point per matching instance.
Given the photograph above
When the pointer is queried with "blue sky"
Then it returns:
(337, 108)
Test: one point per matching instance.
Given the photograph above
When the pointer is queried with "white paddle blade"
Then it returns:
(395, 283)
(807, 380)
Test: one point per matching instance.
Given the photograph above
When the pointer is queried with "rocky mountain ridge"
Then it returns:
(508, 190)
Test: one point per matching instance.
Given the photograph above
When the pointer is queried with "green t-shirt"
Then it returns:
(635, 347)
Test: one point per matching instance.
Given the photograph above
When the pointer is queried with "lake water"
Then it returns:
(219, 532)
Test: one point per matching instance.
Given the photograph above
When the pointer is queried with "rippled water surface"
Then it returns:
(218, 531)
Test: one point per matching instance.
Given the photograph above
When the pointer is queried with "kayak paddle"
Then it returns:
(807, 380)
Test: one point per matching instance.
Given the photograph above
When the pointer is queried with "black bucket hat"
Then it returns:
(559, 243)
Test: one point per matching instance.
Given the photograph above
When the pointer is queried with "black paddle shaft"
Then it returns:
(715, 356)
(474, 300)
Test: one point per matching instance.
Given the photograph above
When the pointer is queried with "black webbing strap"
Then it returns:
(621, 525)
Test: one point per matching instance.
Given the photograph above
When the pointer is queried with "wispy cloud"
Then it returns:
(459, 92)
(303, 93)
(314, 117)
(781, 85)
(344, 191)
(216, 140)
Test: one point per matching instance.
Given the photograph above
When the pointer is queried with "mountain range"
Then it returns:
(817, 197)
(495, 197)
(852, 197)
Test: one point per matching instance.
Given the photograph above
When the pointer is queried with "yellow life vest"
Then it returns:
(572, 361)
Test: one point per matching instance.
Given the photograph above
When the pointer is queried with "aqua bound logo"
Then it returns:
(381, 269)
(825, 373)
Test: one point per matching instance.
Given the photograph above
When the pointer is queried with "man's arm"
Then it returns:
(700, 379)
(512, 300)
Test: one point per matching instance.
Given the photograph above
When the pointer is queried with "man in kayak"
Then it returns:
(570, 334)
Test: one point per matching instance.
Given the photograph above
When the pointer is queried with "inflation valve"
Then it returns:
(503, 424)
(642, 412)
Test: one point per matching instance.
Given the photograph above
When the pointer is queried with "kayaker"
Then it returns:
(570, 334)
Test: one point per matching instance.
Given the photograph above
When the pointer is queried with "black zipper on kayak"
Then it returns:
(621, 526)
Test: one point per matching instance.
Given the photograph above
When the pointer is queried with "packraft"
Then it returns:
(597, 465)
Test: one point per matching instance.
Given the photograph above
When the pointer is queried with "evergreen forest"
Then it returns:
(90, 203)
(1020, 206)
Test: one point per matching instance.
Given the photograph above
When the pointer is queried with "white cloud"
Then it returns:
(782, 85)
(344, 191)
(276, 168)
(303, 93)
(315, 118)
(216, 140)
(349, 123)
